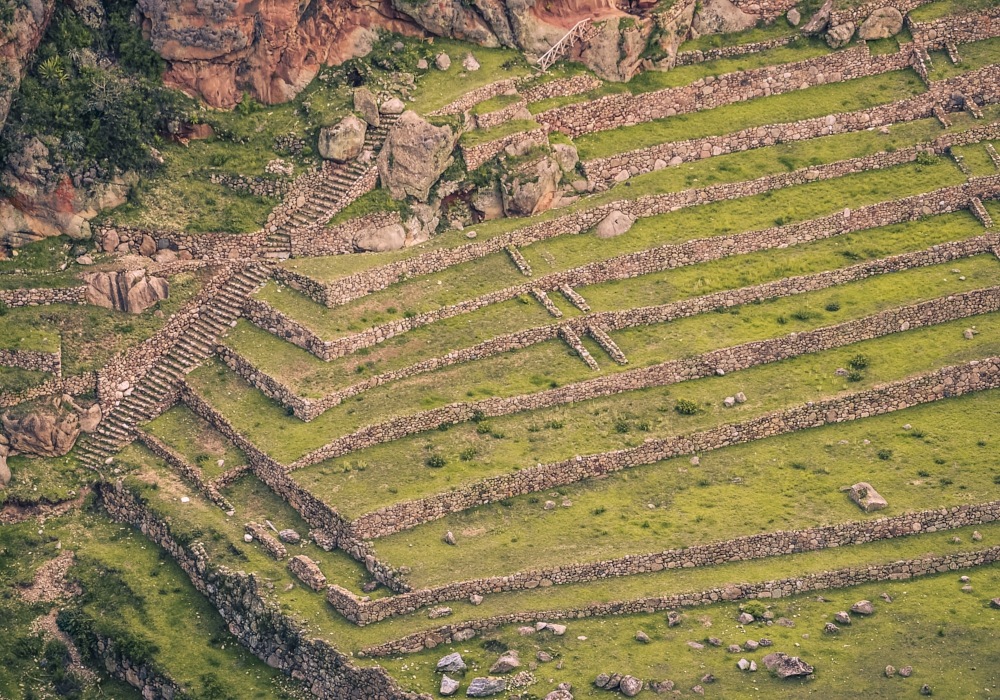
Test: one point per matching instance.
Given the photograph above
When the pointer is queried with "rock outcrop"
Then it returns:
(881, 24)
(17, 43)
(343, 141)
(130, 290)
(5, 474)
(720, 17)
(613, 51)
(414, 155)
(533, 192)
(380, 240)
(49, 429)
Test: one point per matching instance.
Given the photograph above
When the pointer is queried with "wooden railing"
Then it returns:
(561, 47)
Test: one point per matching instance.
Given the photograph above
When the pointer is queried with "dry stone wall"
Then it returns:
(983, 84)
(474, 97)
(319, 240)
(254, 184)
(596, 324)
(564, 87)
(254, 617)
(475, 156)
(944, 383)
(780, 588)
(500, 116)
(625, 109)
(33, 360)
(189, 471)
(363, 283)
(956, 29)
(860, 13)
(688, 58)
(74, 386)
(43, 296)
(201, 246)
(759, 546)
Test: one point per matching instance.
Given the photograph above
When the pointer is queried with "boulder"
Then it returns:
(422, 64)
(602, 680)
(489, 203)
(126, 290)
(559, 694)
(393, 106)
(47, 428)
(630, 686)
(744, 618)
(817, 23)
(673, 618)
(364, 102)
(307, 570)
(867, 498)
(442, 61)
(5, 474)
(614, 224)
(662, 686)
(532, 192)
(485, 687)
(641, 636)
(838, 36)
(566, 156)
(786, 666)
(830, 628)
(881, 24)
(452, 663)
(842, 617)
(863, 607)
(794, 17)
(289, 536)
(435, 613)
(380, 240)
(507, 662)
(470, 63)
(414, 155)
(448, 686)
(722, 17)
(343, 141)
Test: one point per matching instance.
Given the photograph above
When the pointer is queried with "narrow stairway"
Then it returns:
(198, 342)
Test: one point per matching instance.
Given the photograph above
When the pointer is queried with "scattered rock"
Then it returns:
(743, 664)
(787, 666)
(751, 645)
(708, 678)
(886, 597)
(863, 607)
(364, 102)
(842, 617)
(442, 61)
(673, 618)
(393, 106)
(369, 587)
(630, 686)
(525, 631)
(463, 635)
(741, 397)
(557, 630)
(343, 141)
(890, 671)
(559, 694)
(715, 641)
(307, 570)
(602, 680)
(881, 24)
(840, 35)
(925, 690)
(734, 649)
(448, 686)
(449, 538)
(470, 63)
(614, 224)
(484, 687)
(476, 599)
(662, 686)
(977, 536)
(290, 536)
(906, 671)
(765, 642)
(696, 645)
(729, 401)
(794, 17)
(507, 662)
(866, 497)
(452, 663)
(85, 260)
(435, 613)
(543, 656)
(969, 334)
(641, 636)
(698, 690)
(422, 64)
(744, 618)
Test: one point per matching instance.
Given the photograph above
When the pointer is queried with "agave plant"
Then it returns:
(52, 70)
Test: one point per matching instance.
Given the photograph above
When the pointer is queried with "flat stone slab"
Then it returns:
(867, 498)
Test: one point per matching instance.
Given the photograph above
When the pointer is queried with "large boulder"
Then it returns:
(566, 155)
(614, 51)
(881, 24)
(485, 687)
(838, 36)
(722, 17)
(343, 141)
(867, 498)
(817, 23)
(489, 203)
(127, 290)
(4, 469)
(414, 155)
(364, 102)
(46, 430)
(614, 224)
(785, 666)
(532, 192)
(380, 240)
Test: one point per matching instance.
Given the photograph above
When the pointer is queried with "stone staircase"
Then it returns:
(146, 399)
(328, 194)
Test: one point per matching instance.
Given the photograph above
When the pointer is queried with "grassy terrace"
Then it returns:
(728, 168)
(197, 440)
(312, 377)
(134, 588)
(916, 629)
(380, 475)
(541, 365)
(974, 55)
(792, 480)
(942, 8)
(818, 101)
(765, 32)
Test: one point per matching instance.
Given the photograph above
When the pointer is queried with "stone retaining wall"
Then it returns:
(780, 588)
(363, 283)
(688, 58)
(254, 616)
(564, 87)
(309, 409)
(74, 386)
(500, 116)
(625, 109)
(33, 360)
(319, 240)
(152, 684)
(43, 296)
(191, 472)
(956, 29)
(947, 382)
(474, 97)
(983, 84)
(860, 14)
(201, 246)
(260, 186)
(475, 156)
(746, 548)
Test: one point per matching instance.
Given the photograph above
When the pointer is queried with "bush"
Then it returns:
(436, 461)
(885, 455)
(467, 454)
(483, 428)
(621, 425)
(859, 361)
(833, 306)
(755, 608)
(855, 376)
(686, 407)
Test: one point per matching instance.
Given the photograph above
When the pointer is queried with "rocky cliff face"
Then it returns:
(17, 42)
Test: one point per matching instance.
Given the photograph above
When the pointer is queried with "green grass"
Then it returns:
(197, 440)
(313, 378)
(22, 335)
(377, 476)
(977, 159)
(930, 625)
(16, 379)
(480, 136)
(495, 104)
(792, 481)
(847, 96)
(942, 8)
(762, 32)
(974, 55)
(378, 200)
(727, 168)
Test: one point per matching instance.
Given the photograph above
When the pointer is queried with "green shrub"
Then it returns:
(855, 376)
(859, 361)
(483, 428)
(436, 461)
(833, 306)
(686, 407)
(755, 608)
(467, 454)
(621, 425)
(885, 455)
